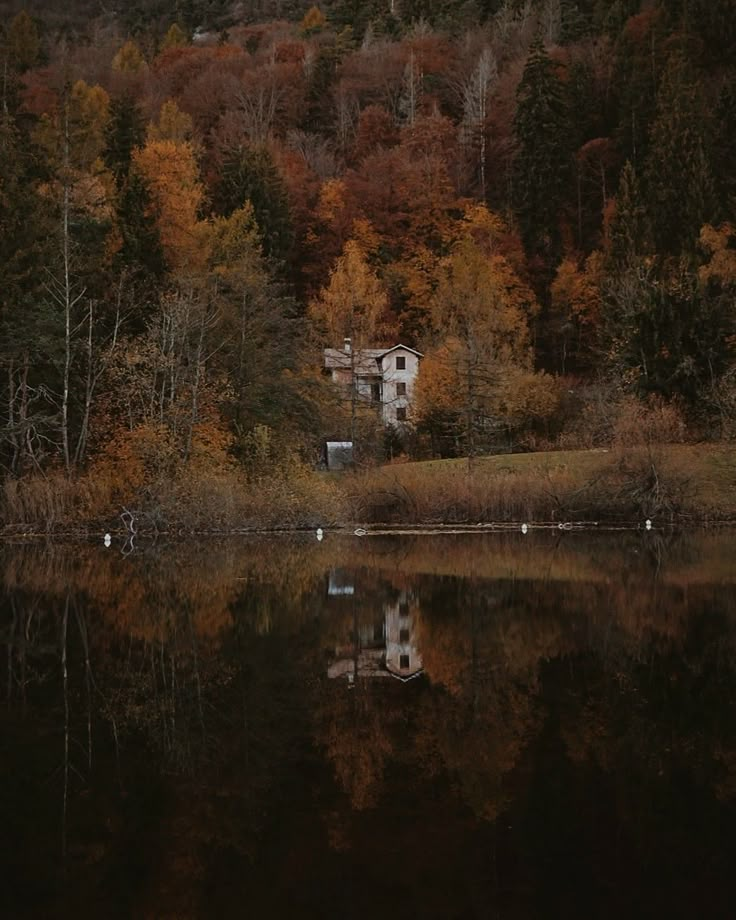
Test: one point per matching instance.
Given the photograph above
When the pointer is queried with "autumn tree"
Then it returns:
(576, 311)
(351, 310)
(22, 42)
(175, 37)
(171, 173)
(129, 59)
(172, 125)
(480, 315)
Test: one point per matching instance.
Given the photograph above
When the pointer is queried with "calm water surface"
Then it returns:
(445, 727)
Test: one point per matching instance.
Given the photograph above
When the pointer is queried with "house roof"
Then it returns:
(366, 361)
(406, 348)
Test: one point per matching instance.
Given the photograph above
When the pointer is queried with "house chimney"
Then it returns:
(347, 346)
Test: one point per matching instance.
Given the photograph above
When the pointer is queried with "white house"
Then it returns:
(382, 376)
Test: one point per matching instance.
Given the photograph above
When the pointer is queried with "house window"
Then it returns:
(401, 389)
(377, 632)
(401, 414)
(404, 662)
(404, 609)
(376, 392)
(403, 635)
(400, 364)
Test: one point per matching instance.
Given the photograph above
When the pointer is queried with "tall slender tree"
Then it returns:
(542, 166)
(679, 186)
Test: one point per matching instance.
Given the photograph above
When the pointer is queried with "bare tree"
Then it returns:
(475, 91)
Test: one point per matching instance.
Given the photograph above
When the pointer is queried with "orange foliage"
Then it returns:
(172, 174)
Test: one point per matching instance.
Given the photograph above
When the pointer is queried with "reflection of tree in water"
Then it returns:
(204, 734)
(176, 684)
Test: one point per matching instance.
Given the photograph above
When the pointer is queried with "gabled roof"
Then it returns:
(365, 360)
(405, 347)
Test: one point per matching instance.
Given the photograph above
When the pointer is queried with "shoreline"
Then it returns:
(676, 486)
(372, 530)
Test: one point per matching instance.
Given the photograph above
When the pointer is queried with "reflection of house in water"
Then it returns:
(384, 648)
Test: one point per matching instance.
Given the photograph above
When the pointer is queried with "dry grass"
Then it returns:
(215, 501)
(669, 481)
(677, 482)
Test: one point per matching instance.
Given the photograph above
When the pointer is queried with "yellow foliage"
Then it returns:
(90, 196)
(174, 38)
(314, 21)
(172, 174)
(483, 303)
(718, 243)
(235, 240)
(482, 225)
(525, 394)
(365, 235)
(129, 59)
(173, 124)
(132, 459)
(576, 293)
(438, 385)
(331, 202)
(354, 302)
(22, 41)
(419, 277)
(89, 115)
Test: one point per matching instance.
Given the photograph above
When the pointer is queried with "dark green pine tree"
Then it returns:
(723, 158)
(30, 333)
(141, 254)
(575, 23)
(319, 109)
(714, 22)
(249, 174)
(126, 130)
(637, 67)
(542, 166)
(678, 181)
(628, 232)
(25, 221)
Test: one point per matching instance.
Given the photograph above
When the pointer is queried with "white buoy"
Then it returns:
(648, 524)
(108, 539)
(524, 528)
(359, 532)
(320, 534)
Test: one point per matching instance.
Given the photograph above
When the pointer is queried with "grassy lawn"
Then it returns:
(677, 480)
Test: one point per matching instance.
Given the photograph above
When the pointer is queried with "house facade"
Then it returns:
(384, 377)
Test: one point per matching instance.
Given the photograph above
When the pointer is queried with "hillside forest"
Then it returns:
(196, 198)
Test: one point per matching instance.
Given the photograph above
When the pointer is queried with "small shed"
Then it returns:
(338, 455)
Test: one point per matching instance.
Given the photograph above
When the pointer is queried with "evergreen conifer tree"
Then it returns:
(249, 174)
(542, 166)
(628, 231)
(723, 157)
(678, 181)
(126, 130)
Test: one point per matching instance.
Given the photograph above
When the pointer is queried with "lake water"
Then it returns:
(496, 726)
